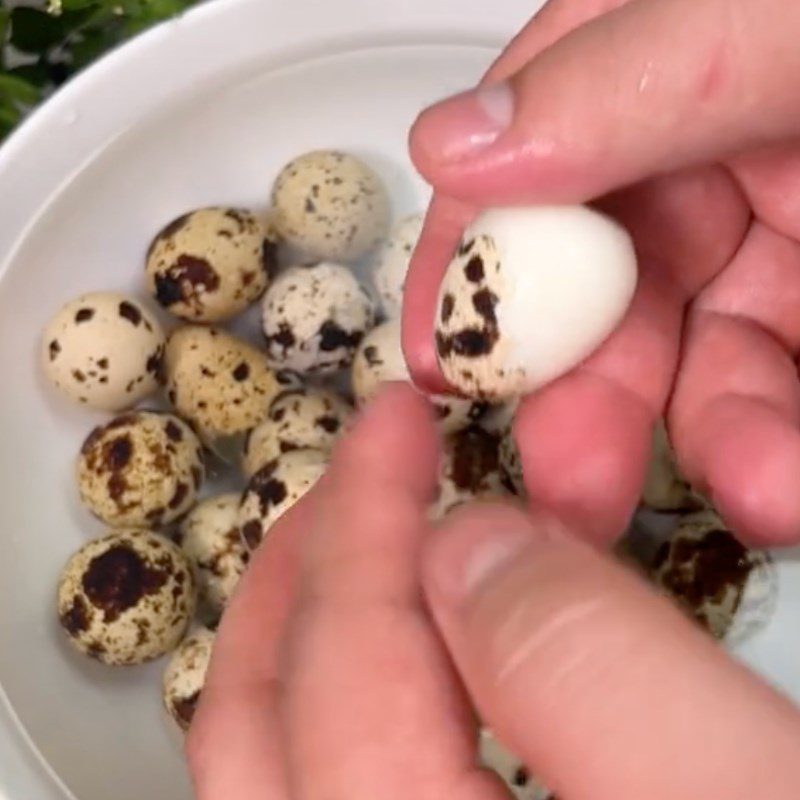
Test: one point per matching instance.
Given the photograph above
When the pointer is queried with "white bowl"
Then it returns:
(201, 110)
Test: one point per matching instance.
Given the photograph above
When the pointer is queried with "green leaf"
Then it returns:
(5, 17)
(35, 74)
(18, 90)
(34, 31)
(74, 5)
(9, 117)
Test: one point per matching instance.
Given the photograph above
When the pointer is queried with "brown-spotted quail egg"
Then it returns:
(141, 469)
(330, 205)
(210, 537)
(103, 350)
(494, 755)
(469, 470)
(530, 293)
(729, 590)
(511, 461)
(221, 384)
(211, 264)
(391, 265)
(126, 598)
(664, 488)
(185, 675)
(379, 360)
(306, 418)
(275, 488)
(315, 317)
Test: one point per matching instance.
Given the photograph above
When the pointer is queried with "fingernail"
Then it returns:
(473, 546)
(466, 124)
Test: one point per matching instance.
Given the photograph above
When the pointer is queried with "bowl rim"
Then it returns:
(85, 116)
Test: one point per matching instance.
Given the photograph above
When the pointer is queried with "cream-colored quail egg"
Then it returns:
(103, 350)
(315, 317)
(126, 598)
(305, 418)
(391, 265)
(185, 675)
(729, 590)
(664, 488)
(469, 470)
(379, 360)
(141, 469)
(275, 488)
(211, 264)
(495, 756)
(330, 205)
(530, 293)
(211, 539)
(220, 383)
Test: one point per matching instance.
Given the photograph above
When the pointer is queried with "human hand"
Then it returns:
(682, 116)
(331, 681)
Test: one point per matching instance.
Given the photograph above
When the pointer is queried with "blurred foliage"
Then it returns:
(41, 46)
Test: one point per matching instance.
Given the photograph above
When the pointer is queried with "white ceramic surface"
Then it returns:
(201, 110)
(204, 109)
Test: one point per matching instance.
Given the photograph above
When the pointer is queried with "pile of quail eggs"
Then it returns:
(188, 400)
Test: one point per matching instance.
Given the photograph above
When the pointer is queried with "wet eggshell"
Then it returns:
(530, 293)
(275, 488)
(126, 598)
(315, 317)
(469, 470)
(141, 469)
(729, 590)
(185, 675)
(103, 350)
(494, 755)
(306, 418)
(379, 360)
(211, 264)
(330, 205)
(210, 537)
(664, 487)
(221, 384)
(391, 264)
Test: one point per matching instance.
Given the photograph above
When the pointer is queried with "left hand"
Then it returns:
(328, 681)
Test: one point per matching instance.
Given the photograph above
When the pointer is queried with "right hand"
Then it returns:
(683, 116)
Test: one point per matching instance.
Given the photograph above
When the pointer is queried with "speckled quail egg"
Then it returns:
(275, 488)
(126, 598)
(391, 265)
(530, 293)
(315, 317)
(141, 469)
(511, 462)
(304, 418)
(664, 487)
(729, 590)
(379, 359)
(469, 470)
(211, 264)
(330, 205)
(220, 383)
(495, 756)
(103, 350)
(185, 675)
(211, 539)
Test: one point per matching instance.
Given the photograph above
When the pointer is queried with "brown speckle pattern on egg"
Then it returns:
(211, 264)
(220, 383)
(103, 350)
(185, 676)
(330, 205)
(211, 539)
(140, 469)
(274, 489)
(308, 418)
(126, 598)
(315, 317)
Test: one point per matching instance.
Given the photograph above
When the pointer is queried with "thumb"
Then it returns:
(602, 687)
(647, 88)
